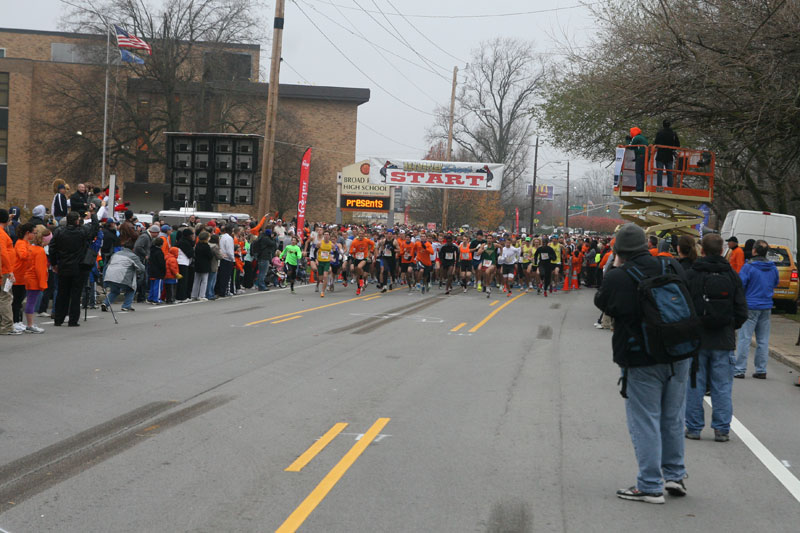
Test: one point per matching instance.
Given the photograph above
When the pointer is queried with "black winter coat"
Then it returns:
(263, 249)
(202, 258)
(617, 297)
(157, 265)
(723, 338)
(68, 247)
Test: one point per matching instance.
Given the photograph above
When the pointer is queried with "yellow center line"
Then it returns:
(312, 309)
(286, 319)
(494, 303)
(372, 298)
(308, 505)
(458, 327)
(315, 448)
(491, 315)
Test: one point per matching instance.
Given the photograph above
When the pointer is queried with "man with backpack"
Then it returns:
(720, 303)
(655, 337)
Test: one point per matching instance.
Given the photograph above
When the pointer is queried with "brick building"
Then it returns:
(41, 128)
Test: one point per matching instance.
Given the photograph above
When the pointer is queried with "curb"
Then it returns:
(783, 358)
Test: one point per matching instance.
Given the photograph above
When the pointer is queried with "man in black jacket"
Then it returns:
(656, 392)
(79, 201)
(665, 157)
(720, 301)
(68, 254)
(262, 250)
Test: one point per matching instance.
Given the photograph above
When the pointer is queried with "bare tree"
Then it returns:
(504, 81)
(186, 71)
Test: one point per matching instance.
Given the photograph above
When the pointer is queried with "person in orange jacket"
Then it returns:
(21, 251)
(36, 275)
(735, 254)
(171, 279)
(577, 263)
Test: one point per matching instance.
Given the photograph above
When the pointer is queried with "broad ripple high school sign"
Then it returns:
(440, 174)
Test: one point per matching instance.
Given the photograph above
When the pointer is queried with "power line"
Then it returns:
(423, 35)
(359, 68)
(488, 15)
(397, 36)
(376, 45)
(357, 120)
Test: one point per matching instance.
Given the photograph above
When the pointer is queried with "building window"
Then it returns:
(3, 89)
(77, 53)
(2, 53)
(227, 66)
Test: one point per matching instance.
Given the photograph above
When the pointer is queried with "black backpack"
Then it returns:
(670, 328)
(718, 291)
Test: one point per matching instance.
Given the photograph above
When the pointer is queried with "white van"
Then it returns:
(178, 216)
(775, 228)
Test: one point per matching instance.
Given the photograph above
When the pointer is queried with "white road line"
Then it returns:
(778, 469)
(3, 530)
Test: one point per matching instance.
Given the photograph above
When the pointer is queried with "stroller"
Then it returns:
(276, 277)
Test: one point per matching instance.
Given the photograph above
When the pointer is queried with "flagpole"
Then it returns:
(105, 114)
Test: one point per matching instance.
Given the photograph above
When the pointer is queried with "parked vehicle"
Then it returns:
(788, 289)
(775, 228)
(178, 216)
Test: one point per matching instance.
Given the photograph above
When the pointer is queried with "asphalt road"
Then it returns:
(439, 414)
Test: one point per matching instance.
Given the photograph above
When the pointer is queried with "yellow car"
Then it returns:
(788, 289)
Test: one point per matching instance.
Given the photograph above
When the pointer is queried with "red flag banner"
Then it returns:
(302, 199)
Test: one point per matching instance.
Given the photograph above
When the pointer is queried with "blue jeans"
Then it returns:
(115, 289)
(668, 165)
(263, 269)
(655, 410)
(758, 320)
(212, 282)
(717, 365)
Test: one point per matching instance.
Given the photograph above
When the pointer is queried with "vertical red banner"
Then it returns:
(302, 199)
(517, 223)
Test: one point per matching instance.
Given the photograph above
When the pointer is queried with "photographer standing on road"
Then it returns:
(654, 385)
(69, 253)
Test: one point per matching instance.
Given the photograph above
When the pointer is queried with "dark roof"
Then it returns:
(95, 37)
(353, 95)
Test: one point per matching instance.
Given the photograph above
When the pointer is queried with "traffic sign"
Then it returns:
(575, 207)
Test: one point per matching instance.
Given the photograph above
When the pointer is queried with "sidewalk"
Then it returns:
(782, 339)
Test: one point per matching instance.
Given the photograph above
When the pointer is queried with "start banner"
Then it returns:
(440, 174)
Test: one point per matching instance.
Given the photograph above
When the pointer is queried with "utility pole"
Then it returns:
(533, 192)
(566, 211)
(445, 195)
(265, 190)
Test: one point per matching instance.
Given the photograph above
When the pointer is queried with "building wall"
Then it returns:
(329, 126)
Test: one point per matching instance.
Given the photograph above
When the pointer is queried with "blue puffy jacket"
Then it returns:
(759, 278)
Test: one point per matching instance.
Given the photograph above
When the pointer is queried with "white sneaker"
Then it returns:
(19, 326)
(34, 329)
(598, 325)
(43, 315)
(203, 299)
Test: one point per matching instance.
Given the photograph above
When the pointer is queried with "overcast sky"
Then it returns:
(400, 130)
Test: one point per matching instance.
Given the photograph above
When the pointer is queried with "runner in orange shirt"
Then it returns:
(407, 252)
(361, 250)
(424, 250)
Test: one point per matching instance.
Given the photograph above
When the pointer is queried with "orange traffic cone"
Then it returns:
(566, 280)
(575, 284)
(313, 278)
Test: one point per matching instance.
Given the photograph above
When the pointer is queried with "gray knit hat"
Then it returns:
(630, 239)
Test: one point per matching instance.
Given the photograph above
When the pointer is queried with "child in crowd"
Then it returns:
(36, 275)
(156, 271)
(171, 274)
(279, 268)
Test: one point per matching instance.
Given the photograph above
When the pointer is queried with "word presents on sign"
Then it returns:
(364, 203)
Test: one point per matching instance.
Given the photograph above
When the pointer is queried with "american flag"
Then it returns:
(126, 40)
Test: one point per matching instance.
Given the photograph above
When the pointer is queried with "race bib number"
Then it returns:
(466, 256)
(448, 256)
(526, 257)
(544, 257)
(324, 255)
(406, 255)
(487, 263)
(359, 255)
(387, 252)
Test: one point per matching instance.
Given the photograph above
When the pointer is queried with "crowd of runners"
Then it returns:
(90, 261)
